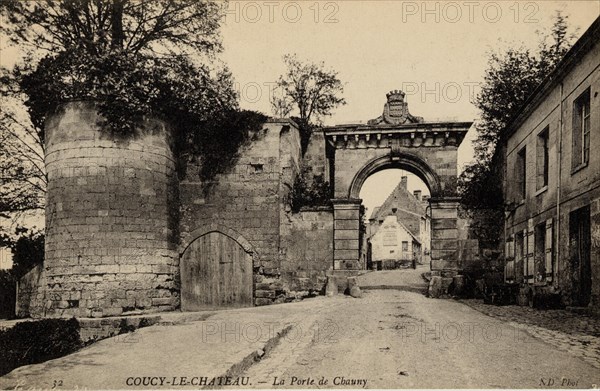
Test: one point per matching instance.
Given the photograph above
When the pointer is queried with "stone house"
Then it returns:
(552, 183)
(393, 245)
(410, 210)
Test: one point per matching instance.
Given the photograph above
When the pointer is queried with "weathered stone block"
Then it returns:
(345, 234)
(263, 301)
(161, 301)
(346, 244)
(264, 294)
(332, 287)
(356, 292)
(438, 286)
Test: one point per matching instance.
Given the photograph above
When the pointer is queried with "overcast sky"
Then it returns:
(435, 51)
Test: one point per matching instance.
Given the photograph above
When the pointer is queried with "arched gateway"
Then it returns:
(396, 140)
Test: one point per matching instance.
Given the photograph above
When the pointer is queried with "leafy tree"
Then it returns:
(130, 56)
(305, 193)
(28, 251)
(312, 89)
(171, 27)
(511, 77)
(7, 294)
(134, 58)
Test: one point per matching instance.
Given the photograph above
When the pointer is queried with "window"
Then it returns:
(581, 131)
(542, 158)
(405, 246)
(519, 255)
(521, 173)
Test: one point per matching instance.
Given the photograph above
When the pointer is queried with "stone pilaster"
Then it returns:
(346, 234)
(444, 236)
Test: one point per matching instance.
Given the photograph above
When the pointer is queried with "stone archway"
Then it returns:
(396, 139)
(406, 161)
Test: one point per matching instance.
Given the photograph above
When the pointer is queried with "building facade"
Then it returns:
(394, 246)
(552, 182)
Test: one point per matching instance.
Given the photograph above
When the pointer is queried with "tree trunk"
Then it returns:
(117, 24)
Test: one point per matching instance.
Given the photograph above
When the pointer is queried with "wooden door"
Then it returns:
(216, 272)
(580, 251)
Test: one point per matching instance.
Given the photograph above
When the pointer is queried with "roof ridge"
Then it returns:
(389, 200)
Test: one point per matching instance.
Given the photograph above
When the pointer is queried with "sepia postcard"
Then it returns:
(309, 194)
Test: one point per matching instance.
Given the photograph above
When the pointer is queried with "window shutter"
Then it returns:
(549, 252)
(509, 268)
(524, 254)
(530, 253)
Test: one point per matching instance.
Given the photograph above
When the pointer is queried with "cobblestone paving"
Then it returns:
(575, 333)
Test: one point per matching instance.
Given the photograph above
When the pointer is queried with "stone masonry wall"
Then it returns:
(292, 250)
(248, 199)
(111, 220)
(30, 293)
(315, 159)
(307, 249)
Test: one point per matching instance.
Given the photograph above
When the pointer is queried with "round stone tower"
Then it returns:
(111, 217)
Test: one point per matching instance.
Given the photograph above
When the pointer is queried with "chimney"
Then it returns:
(417, 194)
(404, 182)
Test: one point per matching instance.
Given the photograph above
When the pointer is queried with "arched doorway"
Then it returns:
(216, 272)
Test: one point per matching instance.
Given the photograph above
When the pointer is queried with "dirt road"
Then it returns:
(395, 339)
(389, 338)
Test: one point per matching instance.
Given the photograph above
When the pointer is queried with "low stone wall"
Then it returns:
(96, 329)
(30, 293)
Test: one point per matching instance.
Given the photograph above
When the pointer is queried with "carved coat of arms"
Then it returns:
(395, 111)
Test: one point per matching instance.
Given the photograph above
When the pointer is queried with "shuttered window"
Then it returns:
(521, 174)
(519, 256)
(509, 272)
(530, 256)
(581, 130)
(542, 159)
